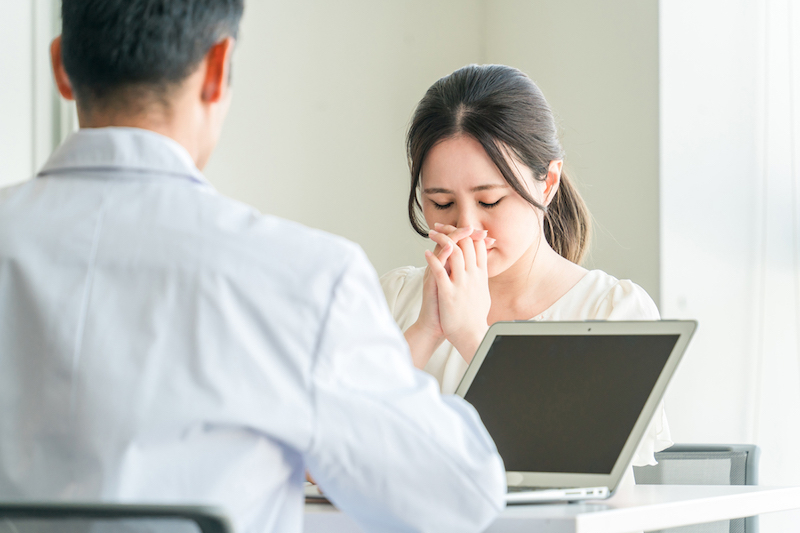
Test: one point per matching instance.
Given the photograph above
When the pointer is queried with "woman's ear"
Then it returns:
(552, 180)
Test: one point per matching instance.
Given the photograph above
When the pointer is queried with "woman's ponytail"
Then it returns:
(567, 222)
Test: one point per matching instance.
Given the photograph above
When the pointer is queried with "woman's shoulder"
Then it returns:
(601, 296)
(403, 279)
(402, 288)
(621, 299)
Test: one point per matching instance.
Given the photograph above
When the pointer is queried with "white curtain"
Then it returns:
(730, 225)
(775, 420)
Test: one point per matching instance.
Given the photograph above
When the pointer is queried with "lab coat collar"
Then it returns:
(122, 149)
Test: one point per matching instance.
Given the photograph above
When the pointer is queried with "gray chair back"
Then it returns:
(36, 517)
(705, 464)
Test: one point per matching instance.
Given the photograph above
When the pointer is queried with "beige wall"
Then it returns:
(324, 92)
(597, 64)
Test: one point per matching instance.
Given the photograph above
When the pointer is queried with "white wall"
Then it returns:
(709, 183)
(30, 111)
(16, 93)
(730, 228)
(597, 64)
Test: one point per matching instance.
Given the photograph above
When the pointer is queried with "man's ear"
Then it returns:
(60, 75)
(553, 180)
(217, 65)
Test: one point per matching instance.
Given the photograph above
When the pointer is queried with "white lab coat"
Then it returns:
(162, 343)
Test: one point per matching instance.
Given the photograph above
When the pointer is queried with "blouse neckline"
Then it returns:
(566, 295)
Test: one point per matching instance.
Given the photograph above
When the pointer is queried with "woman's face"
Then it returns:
(461, 186)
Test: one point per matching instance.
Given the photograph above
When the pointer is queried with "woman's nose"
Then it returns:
(467, 218)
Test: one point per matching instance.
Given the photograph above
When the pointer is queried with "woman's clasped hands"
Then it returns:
(455, 299)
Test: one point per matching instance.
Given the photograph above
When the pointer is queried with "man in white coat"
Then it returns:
(162, 343)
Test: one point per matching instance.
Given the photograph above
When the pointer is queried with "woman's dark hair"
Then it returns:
(505, 111)
(112, 48)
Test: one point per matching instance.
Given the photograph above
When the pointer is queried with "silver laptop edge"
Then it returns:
(592, 483)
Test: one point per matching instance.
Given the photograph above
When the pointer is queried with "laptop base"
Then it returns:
(521, 496)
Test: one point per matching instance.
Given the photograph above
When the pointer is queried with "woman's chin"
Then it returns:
(493, 266)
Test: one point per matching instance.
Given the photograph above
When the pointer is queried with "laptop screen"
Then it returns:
(566, 403)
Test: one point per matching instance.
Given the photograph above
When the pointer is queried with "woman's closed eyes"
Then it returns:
(487, 205)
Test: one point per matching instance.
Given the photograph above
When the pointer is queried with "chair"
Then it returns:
(37, 516)
(705, 464)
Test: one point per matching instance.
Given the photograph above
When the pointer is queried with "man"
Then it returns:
(162, 343)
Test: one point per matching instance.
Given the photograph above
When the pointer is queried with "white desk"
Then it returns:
(640, 508)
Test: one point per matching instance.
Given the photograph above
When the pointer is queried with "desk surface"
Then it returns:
(639, 508)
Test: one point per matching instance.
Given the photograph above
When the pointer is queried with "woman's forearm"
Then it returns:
(468, 343)
(422, 343)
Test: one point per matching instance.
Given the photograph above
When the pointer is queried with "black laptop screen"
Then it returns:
(566, 403)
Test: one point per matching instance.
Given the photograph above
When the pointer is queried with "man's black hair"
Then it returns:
(118, 50)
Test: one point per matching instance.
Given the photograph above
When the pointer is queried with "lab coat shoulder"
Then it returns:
(267, 259)
(271, 243)
(259, 290)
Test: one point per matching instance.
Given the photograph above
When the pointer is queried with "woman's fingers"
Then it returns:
(444, 254)
(450, 231)
(444, 228)
(472, 246)
(440, 239)
(456, 257)
(437, 269)
(479, 234)
(464, 243)
(467, 246)
(480, 253)
(459, 233)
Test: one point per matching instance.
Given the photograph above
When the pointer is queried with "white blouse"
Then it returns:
(597, 296)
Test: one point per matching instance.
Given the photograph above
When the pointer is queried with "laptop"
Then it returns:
(567, 403)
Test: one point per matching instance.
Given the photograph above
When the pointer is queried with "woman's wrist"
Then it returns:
(467, 343)
(422, 342)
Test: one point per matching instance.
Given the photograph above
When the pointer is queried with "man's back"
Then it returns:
(160, 342)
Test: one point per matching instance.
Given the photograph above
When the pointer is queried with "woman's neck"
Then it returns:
(532, 284)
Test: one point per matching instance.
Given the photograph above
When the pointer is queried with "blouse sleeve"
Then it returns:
(628, 301)
(392, 283)
(402, 288)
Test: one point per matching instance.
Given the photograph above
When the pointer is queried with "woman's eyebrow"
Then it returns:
(437, 190)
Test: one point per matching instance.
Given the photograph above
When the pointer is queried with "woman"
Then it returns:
(509, 226)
